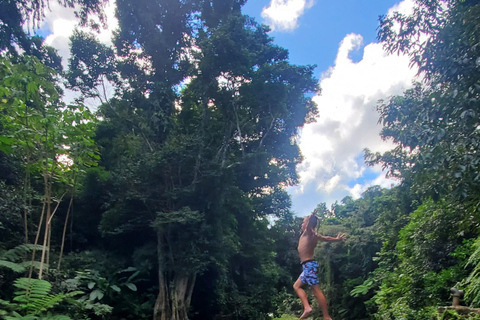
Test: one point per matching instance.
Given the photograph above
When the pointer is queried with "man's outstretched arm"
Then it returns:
(339, 237)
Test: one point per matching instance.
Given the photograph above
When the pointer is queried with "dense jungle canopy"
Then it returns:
(169, 201)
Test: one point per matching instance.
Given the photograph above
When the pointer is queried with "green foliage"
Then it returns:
(453, 315)
(54, 141)
(38, 125)
(33, 298)
(402, 311)
(362, 289)
(189, 170)
(346, 268)
(11, 220)
(12, 259)
(110, 290)
(193, 172)
(286, 317)
(427, 264)
(15, 15)
(434, 124)
(472, 282)
(53, 138)
(91, 65)
(435, 129)
(100, 287)
(432, 234)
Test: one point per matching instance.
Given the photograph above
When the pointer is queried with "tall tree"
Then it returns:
(435, 123)
(204, 165)
(54, 140)
(435, 128)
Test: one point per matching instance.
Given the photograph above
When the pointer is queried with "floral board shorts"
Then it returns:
(309, 274)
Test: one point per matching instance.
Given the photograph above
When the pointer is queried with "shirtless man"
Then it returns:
(306, 245)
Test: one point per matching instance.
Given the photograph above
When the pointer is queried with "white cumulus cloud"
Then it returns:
(60, 22)
(405, 7)
(283, 15)
(333, 146)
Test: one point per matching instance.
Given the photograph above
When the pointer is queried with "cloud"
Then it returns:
(59, 24)
(332, 147)
(282, 15)
(333, 165)
(405, 7)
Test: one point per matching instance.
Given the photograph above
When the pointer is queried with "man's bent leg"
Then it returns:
(303, 297)
(321, 301)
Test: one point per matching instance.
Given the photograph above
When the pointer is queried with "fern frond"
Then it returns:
(10, 259)
(20, 267)
(15, 267)
(475, 257)
(48, 302)
(33, 295)
(30, 290)
(473, 280)
(19, 252)
(4, 306)
(17, 316)
(58, 317)
(36, 286)
(34, 264)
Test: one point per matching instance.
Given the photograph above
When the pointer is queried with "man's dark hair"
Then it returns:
(312, 222)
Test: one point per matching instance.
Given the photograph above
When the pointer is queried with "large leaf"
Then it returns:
(131, 286)
(96, 295)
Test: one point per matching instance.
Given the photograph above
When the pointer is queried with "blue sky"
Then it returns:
(323, 26)
(354, 72)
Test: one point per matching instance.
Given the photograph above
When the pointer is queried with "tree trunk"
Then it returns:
(37, 237)
(26, 187)
(65, 232)
(174, 290)
(46, 231)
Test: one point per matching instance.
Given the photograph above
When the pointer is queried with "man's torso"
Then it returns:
(306, 246)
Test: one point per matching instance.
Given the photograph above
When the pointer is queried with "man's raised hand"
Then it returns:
(341, 236)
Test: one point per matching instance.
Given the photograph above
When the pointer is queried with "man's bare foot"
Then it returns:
(327, 318)
(306, 313)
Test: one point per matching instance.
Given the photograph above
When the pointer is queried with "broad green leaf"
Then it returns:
(96, 295)
(115, 288)
(131, 286)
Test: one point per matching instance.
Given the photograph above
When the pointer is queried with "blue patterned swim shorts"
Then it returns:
(309, 274)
